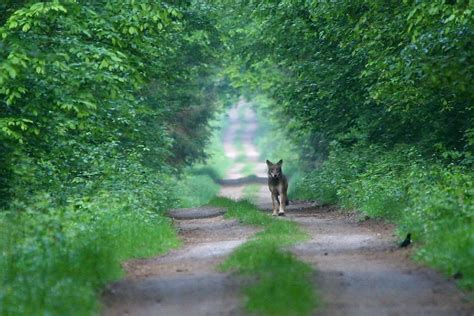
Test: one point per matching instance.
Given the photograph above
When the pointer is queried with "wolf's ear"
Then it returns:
(280, 162)
(269, 163)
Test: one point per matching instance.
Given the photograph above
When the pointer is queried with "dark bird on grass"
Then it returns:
(406, 242)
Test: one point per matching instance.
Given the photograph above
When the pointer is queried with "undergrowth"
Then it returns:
(56, 257)
(282, 283)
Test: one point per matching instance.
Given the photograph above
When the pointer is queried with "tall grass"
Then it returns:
(59, 249)
(62, 245)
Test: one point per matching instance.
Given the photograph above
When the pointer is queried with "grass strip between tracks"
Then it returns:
(282, 284)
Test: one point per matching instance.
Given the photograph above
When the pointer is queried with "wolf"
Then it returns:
(278, 186)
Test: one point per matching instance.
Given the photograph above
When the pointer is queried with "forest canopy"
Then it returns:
(83, 83)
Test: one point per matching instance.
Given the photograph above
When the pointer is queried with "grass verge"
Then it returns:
(62, 245)
(56, 262)
(283, 283)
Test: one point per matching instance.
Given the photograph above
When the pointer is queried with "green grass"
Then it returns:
(241, 157)
(196, 189)
(217, 161)
(282, 283)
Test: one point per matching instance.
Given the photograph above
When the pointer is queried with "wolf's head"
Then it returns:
(274, 169)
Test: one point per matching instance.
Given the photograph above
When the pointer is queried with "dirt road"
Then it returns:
(185, 281)
(360, 269)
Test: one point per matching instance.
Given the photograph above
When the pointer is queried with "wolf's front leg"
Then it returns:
(281, 211)
(275, 204)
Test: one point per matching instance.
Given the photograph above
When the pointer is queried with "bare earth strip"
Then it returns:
(360, 269)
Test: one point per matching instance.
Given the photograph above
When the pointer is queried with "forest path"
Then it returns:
(185, 281)
(360, 269)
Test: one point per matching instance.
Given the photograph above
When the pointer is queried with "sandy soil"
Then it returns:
(360, 269)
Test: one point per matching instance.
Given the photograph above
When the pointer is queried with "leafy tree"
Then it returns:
(137, 76)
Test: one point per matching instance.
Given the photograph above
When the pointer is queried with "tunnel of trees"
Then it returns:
(104, 103)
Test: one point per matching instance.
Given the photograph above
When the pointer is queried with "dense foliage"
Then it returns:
(131, 78)
(101, 104)
(377, 98)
